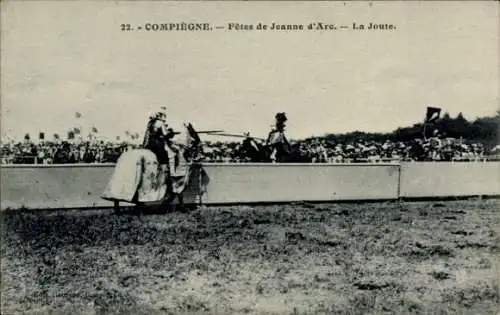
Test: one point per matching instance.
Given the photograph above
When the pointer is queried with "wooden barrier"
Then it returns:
(81, 185)
(448, 179)
(265, 182)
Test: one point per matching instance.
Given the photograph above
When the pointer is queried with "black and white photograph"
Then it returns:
(250, 157)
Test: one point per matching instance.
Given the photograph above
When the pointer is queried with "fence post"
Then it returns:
(399, 181)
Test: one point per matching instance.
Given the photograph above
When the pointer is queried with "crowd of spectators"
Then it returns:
(325, 151)
(61, 152)
(315, 150)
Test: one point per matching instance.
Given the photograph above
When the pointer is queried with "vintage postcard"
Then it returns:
(250, 157)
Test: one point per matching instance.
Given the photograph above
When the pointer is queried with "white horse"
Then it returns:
(139, 179)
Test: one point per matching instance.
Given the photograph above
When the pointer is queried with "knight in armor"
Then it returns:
(276, 141)
(159, 139)
(156, 136)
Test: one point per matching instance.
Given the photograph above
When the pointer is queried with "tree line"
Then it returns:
(481, 130)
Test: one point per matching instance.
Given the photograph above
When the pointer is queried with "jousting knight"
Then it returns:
(278, 144)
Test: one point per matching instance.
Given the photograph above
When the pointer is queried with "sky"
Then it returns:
(63, 57)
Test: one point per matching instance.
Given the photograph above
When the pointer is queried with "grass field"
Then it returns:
(371, 258)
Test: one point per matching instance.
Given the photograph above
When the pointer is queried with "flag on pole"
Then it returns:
(432, 114)
(76, 131)
(78, 115)
(94, 129)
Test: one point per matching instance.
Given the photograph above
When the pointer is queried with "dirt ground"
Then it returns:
(371, 258)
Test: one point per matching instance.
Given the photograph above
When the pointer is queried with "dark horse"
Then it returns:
(254, 151)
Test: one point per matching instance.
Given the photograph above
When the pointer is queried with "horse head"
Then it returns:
(189, 143)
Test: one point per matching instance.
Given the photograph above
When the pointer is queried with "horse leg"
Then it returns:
(182, 206)
(116, 207)
(169, 196)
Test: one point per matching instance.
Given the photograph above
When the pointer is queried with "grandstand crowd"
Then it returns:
(317, 150)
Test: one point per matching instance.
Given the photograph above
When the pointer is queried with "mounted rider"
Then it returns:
(161, 170)
(155, 137)
(277, 143)
(159, 139)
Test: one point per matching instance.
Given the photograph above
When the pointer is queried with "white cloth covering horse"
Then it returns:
(138, 177)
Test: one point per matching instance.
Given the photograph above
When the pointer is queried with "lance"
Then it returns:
(209, 131)
(235, 136)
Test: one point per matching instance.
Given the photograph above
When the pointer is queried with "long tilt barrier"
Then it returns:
(81, 185)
